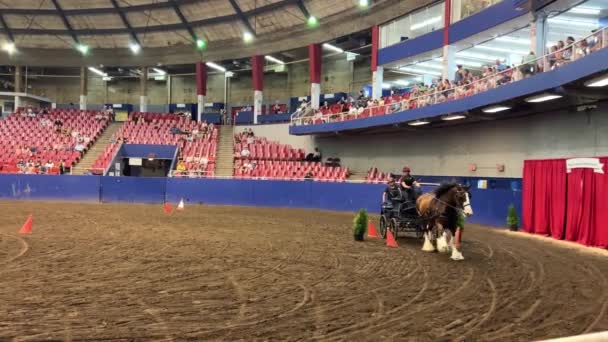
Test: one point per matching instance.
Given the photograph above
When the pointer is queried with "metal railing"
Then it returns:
(545, 63)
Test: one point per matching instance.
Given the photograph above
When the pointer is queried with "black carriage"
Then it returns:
(400, 216)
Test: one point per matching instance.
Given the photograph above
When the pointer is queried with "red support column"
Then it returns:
(257, 73)
(447, 20)
(315, 62)
(201, 88)
(377, 71)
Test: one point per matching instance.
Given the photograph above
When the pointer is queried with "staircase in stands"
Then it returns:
(97, 149)
(224, 160)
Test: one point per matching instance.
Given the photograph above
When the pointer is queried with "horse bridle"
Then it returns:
(453, 207)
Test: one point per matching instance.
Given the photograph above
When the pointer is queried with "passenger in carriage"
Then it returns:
(392, 194)
(409, 185)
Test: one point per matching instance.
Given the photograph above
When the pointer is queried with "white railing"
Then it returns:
(480, 85)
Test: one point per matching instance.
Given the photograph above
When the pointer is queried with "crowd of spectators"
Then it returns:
(465, 83)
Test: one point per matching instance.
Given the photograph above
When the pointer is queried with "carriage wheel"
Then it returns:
(383, 225)
(394, 227)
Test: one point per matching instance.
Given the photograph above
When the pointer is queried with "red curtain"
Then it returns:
(571, 206)
(600, 233)
(544, 197)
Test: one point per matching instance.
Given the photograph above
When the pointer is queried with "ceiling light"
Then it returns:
(160, 71)
(216, 66)
(98, 72)
(418, 123)
(472, 55)
(585, 10)
(312, 21)
(402, 82)
(495, 109)
(598, 82)
(9, 47)
(573, 22)
(200, 44)
(333, 48)
(514, 40)
(363, 3)
(420, 71)
(135, 47)
(247, 37)
(543, 98)
(425, 23)
(453, 117)
(275, 60)
(507, 50)
(82, 48)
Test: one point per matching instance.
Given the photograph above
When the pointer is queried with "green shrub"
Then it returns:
(360, 225)
(512, 219)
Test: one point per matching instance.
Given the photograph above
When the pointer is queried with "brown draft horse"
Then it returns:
(440, 211)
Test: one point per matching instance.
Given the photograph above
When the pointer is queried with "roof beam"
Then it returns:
(242, 16)
(303, 9)
(7, 29)
(95, 11)
(156, 28)
(183, 19)
(125, 21)
(65, 20)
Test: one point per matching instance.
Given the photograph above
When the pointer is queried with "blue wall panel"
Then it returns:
(411, 47)
(133, 190)
(490, 206)
(41, 187)
(144, 150)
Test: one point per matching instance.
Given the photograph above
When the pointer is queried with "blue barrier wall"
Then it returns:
(41, 187)
(490, 206)
(132, 189)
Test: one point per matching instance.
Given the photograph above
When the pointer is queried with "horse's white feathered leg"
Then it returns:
(442, 243)
(456, 255)
(428, 246)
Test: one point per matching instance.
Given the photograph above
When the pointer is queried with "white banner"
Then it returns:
(584, 163)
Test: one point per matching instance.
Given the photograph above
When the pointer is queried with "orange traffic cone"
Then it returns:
(390, 239)
(27, 226)
(371, 230)
(168, 208)
(180, 206)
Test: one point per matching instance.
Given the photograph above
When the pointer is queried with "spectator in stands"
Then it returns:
(569, 51)
(61, 166)
(582, 49)
(500, 66)
(316, 156)
(49, 164)
(459, 76)
(325, 108)
(79, 147)
(361, 95)
(245, 152)
(250, 139)
(595, 43)
(528, 67)
(181, 166)
(276, 109)
(308, 175)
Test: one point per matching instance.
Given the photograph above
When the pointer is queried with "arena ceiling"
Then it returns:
(170, 27)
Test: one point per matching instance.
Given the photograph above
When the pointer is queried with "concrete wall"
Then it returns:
(337, 75)
(450, 151)
(280, 133)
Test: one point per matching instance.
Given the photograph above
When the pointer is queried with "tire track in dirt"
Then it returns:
(25, 247)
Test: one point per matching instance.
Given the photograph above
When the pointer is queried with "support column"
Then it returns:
(84, 77)
(449, 52)
(143, 85)
(538, 37)
(17, 86)
(201, 89)
(449, 62)
(314, 66)
(377, 71)
(257, 70)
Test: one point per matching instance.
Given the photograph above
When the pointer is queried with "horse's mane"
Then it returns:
(443, 188)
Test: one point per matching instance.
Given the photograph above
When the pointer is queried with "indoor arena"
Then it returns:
(304, 170)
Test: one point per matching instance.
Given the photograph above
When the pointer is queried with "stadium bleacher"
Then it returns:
(47, 141)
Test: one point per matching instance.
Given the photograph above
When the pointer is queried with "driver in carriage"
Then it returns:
(409, 185)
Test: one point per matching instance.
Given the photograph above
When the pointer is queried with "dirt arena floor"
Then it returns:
(130, 273)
